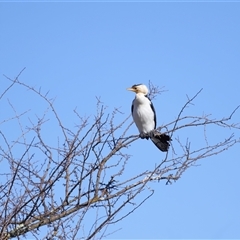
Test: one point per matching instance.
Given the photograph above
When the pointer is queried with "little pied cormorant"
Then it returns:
(144, 116)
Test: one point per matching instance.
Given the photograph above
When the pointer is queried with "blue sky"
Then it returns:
(81, 50)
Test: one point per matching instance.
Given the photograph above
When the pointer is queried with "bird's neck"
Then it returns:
(140, 95)
(141, 98)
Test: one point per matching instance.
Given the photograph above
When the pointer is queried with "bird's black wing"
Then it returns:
(132, 107)
(153, 109)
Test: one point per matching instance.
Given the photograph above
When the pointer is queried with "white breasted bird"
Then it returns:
(144, 116)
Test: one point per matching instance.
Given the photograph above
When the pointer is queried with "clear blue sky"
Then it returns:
(82, 50)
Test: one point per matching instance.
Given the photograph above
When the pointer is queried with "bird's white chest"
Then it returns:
(143, 114)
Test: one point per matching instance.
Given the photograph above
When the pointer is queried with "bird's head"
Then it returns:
(139, 88)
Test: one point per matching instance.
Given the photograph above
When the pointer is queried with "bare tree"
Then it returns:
(57, 187)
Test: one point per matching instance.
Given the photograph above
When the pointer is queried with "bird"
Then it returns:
(144, 116)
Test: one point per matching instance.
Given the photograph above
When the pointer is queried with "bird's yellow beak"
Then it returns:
(131, 89)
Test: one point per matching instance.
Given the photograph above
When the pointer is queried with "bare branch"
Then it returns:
(57, 186)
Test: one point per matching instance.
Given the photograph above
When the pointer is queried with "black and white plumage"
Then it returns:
(144, 116)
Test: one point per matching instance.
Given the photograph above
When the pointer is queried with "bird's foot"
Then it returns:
(144, 135)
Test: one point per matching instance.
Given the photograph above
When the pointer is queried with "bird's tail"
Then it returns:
(161, 140)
